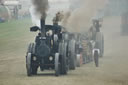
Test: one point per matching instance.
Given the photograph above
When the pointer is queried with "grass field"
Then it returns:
(14, 35)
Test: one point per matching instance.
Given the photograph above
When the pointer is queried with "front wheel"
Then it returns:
(28, 64)
(96, 58)
(78, 60)
(31, 65)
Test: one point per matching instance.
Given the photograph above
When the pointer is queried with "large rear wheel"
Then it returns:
(57, 65)
(31, 48)
(100, 43)
(72, 55)
(64, 59)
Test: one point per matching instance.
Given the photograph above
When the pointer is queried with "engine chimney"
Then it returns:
(42, 23)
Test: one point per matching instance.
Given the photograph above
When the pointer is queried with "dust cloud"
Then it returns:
(79, 17)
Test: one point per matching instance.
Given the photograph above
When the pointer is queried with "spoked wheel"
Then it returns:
(96, 58)
(72, 55)
(57, 65)
(64, 60)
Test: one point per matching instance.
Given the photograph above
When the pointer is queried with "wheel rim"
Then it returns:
(57, 69)
(28, 64)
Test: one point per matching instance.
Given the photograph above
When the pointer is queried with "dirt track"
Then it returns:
(113, 68)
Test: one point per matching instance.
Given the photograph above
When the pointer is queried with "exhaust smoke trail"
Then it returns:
(82, 12)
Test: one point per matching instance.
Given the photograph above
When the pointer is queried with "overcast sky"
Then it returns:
(57, 0)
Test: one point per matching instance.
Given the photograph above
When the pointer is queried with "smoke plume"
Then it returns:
(41, 7)
(81, 13)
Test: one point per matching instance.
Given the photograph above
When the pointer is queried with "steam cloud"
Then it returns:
(81, 13)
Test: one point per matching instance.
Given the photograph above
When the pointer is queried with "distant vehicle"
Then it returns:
(124, 24)
(14, 6)
(5, 14)
(2, 20)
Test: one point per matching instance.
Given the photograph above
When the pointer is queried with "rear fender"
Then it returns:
(96, 50)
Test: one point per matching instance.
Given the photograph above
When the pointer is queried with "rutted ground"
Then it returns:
(113, 68)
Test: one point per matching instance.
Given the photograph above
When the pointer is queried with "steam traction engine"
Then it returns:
(49, 52)
(96, 41)
(92, 44)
